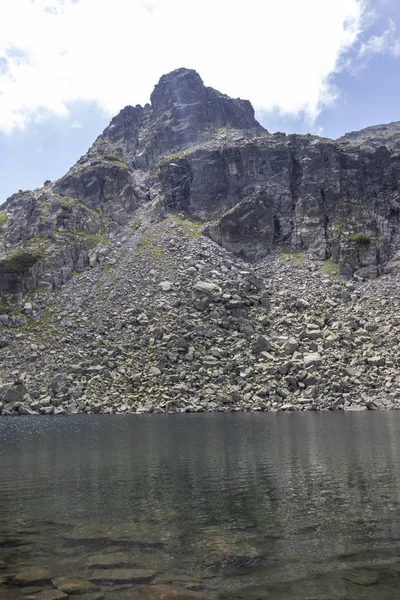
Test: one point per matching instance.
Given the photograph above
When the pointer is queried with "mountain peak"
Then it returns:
(183, 95)
(183, 112)
(182, 86)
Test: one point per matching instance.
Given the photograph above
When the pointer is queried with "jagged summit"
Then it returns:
(184, 94)
(183, 112)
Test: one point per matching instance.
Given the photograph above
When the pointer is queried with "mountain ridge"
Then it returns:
(192, 261)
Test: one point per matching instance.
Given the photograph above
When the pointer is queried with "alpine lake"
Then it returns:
(248, 506)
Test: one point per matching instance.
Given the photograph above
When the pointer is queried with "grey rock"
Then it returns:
(261, 345)
(376, 361)
(16, 393)
(26, 410)
(143, 319)
(312, 359)
(59, 384)
(207, 287)
(166, 286)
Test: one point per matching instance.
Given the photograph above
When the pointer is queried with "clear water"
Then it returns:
(232, 506)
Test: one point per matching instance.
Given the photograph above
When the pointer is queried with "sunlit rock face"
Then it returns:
(194, 149)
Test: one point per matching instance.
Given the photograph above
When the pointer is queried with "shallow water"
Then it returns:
(252, 506)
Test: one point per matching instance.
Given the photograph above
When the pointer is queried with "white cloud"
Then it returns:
(386, 43)
(279, 54)
(396, 49)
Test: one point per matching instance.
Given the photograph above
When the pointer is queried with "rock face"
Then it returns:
(197, 150)
(111, 301)
(378, 135)
(248, 229)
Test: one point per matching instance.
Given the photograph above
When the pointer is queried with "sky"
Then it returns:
(68, 66)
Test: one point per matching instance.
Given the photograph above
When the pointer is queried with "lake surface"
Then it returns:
(231, 506)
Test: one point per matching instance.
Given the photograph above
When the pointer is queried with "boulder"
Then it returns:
(16, 393)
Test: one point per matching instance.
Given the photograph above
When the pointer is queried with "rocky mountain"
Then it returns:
(191, 260)
(378, 135)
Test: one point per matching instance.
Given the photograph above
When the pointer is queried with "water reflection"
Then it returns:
(284, 503)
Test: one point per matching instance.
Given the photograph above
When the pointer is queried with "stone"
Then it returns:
(169, 592)
(106, 561)
(302, 304)
(48, 595)
(207, 287)
(59, 384)
(32, 575)
(166, 286)
(30, 590)
(312, 359)
(261, 345)
(26, 410)
(93, 595)
(376, 361)
(155, 371)
(290, 347)
(121, 575)
(16, 393)
(74, 585)
(143, 319)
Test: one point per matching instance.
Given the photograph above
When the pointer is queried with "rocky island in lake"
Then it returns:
(192, 261)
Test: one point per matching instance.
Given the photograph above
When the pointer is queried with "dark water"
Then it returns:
(285, 506)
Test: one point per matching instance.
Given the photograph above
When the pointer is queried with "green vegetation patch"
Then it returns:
(155, 174)
(5, 308)
(147, 245)
(193, 229)
(93, 239)
(291, 256)
(135, 224)
(67, 202)
(172, 157)
(331, 268)
(360, 239)
(18, 262)
(3, 219)
(44, 327)
(37, 242)
(158, 253)
(34, 294)
(113, 157)
(178, 155)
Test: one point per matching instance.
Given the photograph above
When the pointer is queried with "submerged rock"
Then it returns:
(74, 586)
(32, 575)
(166, 592)
(48, 595)
(115, 559)
(120, 575)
